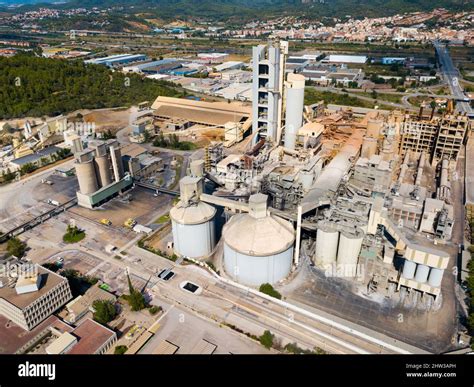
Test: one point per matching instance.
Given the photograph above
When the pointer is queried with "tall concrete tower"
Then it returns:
(294, 108)
(268, 78)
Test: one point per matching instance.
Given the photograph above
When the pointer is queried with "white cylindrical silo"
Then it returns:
(104, 174)
(350, 244)
(421, 274)
(409, 268)
(435, 278)
(327, 240)
(294, 108)
(306, 178)
(258, 247)
(86, 176)
(193, 229)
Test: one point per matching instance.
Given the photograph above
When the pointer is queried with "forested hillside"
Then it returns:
(32, 86)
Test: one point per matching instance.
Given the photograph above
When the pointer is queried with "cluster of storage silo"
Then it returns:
(337, 243)
(193, 220)
(258, 247)
(94, 167)
(422, 273)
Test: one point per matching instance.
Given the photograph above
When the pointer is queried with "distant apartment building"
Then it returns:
(30, 298)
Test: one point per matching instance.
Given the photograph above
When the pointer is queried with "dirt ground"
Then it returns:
(108, 119)
(160, 239)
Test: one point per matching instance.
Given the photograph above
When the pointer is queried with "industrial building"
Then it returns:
(212, 57)
(117, 60)
(178, 114)
(153, 67)
(439, 137)
(88, 338)
(359, 59)
(38, 159)
(139, 163)
(325, 75)
(32, 296)
(100, 173)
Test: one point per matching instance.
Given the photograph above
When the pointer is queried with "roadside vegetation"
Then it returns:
(120, 349)
(266, 339)
(162, 219)
(270, 291)
(172, 142)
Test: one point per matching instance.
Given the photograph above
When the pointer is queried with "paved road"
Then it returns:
(365, 98)
(226, 302)
(452, 76)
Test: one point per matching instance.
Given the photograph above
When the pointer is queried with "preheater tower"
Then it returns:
(267, 89)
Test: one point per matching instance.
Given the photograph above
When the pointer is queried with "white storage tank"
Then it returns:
(421, 274)
(192, 221)
(435, 277)
(258, 247)
(327, 240)
(350, 244)
(409, 268)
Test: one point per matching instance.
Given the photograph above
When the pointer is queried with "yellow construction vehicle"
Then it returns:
(106, 222)
(130, 223)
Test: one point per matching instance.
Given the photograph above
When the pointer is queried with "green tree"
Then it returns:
(16, 247)
(27, 168)
(266, 339)
(269, 290)
(154, 309)
(8, 175)
(120, 349)
(104, 311)
(73, 234)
